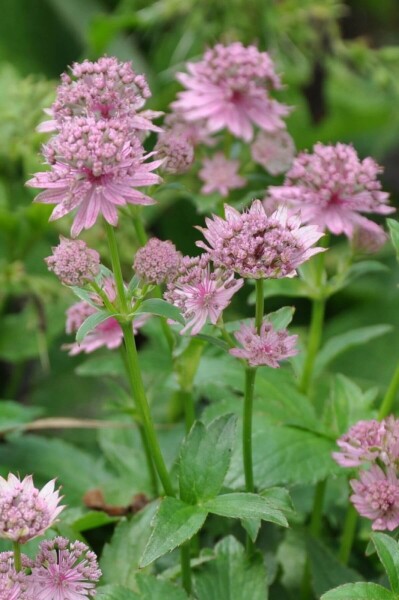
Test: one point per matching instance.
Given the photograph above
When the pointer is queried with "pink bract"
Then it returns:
(376, 496)
(269, 347)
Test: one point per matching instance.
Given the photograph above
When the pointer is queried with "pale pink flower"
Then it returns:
(13, 585)
(219, 174)
(25, 511)
(229, 88)
(64, 571)
(274, 151)
(332, 187)
(95, 167)
(256, 245)
(176, 151)
(157, 261)
(376, 496)
(195, 132)
(362, 443)
(370, 239)
(200, 294)
(73, 262)
(269, 347)
(104, 89)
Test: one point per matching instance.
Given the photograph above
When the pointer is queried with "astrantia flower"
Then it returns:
(269, 347)
(274, 151)
(157, 261)
(64, 571)
(103, 89)
(95, 167)
(229, 88)
(256, 245)
(220, 175)
(25, 511)
(362, 443)
(195, 132)
(332, 187)
(176, 151)
(376, 496)
(200, 294)
(13, 585)
(73, 262)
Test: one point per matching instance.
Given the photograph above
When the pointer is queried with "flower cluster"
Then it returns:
(256, 245)
(96, 158)
(229, 88)
(176, 150)
(268, 347)
(157, 261)
(332, 187)
(73, 262)
(376, 493)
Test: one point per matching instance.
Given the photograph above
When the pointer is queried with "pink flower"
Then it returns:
(200, 294)
(73, 262)
(363, 443)
(195, 132)
(370, 239)
(229, 88)
(177, 152)
(25, 511)
(332, 187)
(269, 347)
(256, 245)
(13, 585)
(377, 497)
(104, 89)
(64, 571)
(95, 167)
(220, 175)
(157, 261)
(274, 151)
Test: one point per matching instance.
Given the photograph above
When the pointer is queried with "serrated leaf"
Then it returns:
(152, 588)
(231, 576)
(243, 505)
(174, 523)
(91, 323)
(394, 235)
(205, 458)
(160, 308)
(388, 552)
(340, 343)
(359, 591)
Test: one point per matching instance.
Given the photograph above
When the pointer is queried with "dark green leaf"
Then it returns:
(359, 591)
(242, 505)
(388, 552)
(161, 308)
(291, 288)
(13, 415)
(174, 523)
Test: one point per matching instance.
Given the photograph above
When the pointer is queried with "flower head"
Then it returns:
(157, 261)
(95, 167)
(273, 150)
(104, 89)
(200, 294)
(73, 262)
(376, 496)
(332, 187)
(229, 88)
(13, 585)
(25, 511)
(177, 152)
(256, 245)
(219, 174)
(268, 347)
(64, 571)
(362, 443)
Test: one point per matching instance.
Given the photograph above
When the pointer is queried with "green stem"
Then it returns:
(116, 267)
(186, 567)
(315, 334)
(348, 534)
(315, 530)
(387, 403)
(108, 305)
(139, 229)
(166, 330)
(250, 374)
(260, 300)
(17, 556)
(187, 399)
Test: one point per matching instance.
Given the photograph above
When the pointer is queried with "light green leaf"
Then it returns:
(291, 288)
(174, 523)
(388, 552)
(394, 234)
(161, 308)
(205, 458)
(231, 576)
(359, 591)
(152, 588)
(84, 295)
(213, 340)
(326, 570)
(91, 323)
(14, 415)
(133, 284)
(242, 505)
(84, 521)
(186, 363)
(115, 592)
(281, 318)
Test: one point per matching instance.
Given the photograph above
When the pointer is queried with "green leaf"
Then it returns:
(388, 552)
(340, 343)
(281, 318)
(133, 284)
(161, 308)
(91, 323)
(205, 458)
(231, 576)
(186, 363)
(174, 523)
(84, 521)
(152, 588)
(359, 591)
(213, 340)
(327, 572)
(242, 505)
(84, 295)
(14, 415)
(291, 288)
(129, 540)
(115, 592)
(394, 233)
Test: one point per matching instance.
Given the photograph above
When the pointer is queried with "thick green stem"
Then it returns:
(116, 267)
(186, 567)
(260, 300)
(315, 334)
(17, 556)
(250, 374)
(348, 534)
(389, 398)
(140, 230)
